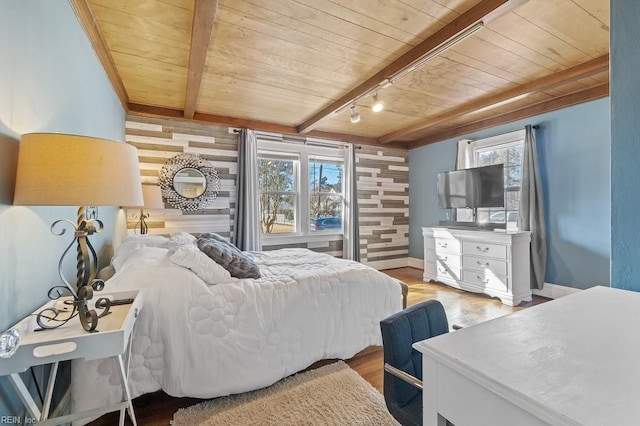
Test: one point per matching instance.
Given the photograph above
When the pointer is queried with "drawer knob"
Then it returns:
(444, 258)
(482, 250)
(481, 280)
(484, 265)
(443, 245)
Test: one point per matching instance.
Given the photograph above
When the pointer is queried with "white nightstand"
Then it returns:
(71, 341)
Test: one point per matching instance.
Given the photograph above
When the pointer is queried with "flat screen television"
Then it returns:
(472, 188)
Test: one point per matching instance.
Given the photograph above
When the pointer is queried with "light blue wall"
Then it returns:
(424, 165)
(573, 148)
(625, 146)
(51, 81)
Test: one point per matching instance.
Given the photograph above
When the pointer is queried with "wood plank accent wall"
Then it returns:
(383, 188)
(157, 140)
(383, 203)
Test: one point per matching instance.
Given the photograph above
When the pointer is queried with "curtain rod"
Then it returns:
(535, 126)
(302, 140)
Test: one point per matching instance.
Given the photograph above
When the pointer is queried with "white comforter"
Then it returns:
(205, 341)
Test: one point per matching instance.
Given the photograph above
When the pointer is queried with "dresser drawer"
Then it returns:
(444, 259)
(497, 267)
(497, 251)
(442, 245)
(485, 279)
(442, 272)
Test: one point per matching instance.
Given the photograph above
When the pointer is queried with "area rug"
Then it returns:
(329, 395)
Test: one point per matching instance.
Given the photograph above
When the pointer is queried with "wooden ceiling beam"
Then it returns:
(486, 8)
(280, 128)
(154, 111)
(344, 137)
(203, 17)
(221, 120)
(89, 24)
(586, 95)
(245, 123)
(586, 69)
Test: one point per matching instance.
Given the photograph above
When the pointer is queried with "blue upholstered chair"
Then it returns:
(402, 363)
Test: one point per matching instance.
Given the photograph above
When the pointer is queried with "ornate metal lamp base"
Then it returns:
(141, 227)
(86, 283)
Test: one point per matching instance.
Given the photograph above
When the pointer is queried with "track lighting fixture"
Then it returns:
(390, 75)
(355, 115)
(377, 103)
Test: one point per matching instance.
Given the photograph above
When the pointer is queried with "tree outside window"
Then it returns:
(277, 184)
(300, 188)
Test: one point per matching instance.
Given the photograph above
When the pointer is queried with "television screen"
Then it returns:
(490, 182)
(454, 189)
(472, 188)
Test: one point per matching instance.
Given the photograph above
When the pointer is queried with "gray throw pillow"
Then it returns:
(228, 256)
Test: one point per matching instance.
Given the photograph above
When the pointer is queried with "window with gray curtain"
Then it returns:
(301, 188)
(503, 149)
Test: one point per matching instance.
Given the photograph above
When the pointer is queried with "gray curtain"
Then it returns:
(247, 220)
(351, 249)
(532, 209)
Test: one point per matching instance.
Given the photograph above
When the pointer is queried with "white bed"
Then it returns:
(205, 341)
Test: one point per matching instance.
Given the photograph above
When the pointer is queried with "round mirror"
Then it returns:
(189, 182)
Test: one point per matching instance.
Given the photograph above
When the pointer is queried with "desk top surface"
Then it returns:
(577, 357)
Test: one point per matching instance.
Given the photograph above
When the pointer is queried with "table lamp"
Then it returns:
(152, 199)
(69, 170)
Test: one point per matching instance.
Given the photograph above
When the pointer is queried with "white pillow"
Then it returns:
(145, 241)
(131, 256)
(180, 239)
(134, 243)
(190, 256)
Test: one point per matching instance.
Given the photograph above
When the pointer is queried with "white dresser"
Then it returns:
(491, 262)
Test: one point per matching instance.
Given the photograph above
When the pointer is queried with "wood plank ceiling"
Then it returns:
(297, 66)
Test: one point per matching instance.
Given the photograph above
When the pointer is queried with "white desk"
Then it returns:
(71, 341)
(574, 360)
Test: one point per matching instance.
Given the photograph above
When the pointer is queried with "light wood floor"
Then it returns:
(462, 308)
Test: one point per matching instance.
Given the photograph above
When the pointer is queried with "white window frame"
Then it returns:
(296, 187)
(302, 218)
(492, 143)
(320, 158)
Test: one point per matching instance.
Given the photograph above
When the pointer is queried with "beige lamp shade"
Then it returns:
(152, 196)
(67, 170)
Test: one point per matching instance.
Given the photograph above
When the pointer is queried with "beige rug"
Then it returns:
(329, 395)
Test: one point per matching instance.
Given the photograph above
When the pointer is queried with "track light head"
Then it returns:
(377, 103)
(355, 115)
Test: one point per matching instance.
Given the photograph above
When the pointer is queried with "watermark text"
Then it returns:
(17, 420)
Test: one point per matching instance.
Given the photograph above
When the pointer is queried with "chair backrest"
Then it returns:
(399, 332)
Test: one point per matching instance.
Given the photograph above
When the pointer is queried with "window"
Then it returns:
(502, 149)
(300, 188)
(325, 194)
(277, 184)
(510, 155)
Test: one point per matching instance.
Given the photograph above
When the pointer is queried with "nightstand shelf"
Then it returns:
(68, 342)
